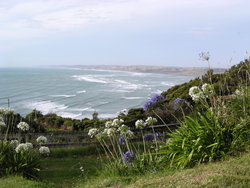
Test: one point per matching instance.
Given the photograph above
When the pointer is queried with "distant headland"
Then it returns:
(185, 71)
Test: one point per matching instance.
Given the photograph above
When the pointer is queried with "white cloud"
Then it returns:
(32, 18)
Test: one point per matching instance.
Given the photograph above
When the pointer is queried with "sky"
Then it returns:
(123, 32)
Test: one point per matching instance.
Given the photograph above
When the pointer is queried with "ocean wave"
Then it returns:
(168, 83)
(90, 78)
(83, 91)
(46, 106)
(67, 96)
(70, 115)
(132, 98)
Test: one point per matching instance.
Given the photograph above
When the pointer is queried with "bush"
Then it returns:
(26, 164)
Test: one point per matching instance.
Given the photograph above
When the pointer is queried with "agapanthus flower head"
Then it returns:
(149, 137)
(121, 140)
(101, 135)
(117, 122)
(110, 132)
(178, 102)
(150, 121)
(108, 124)
(123, 128)
(6, 111)
(14, 143)
(207, 89)
(23, 126)
(128, 157)
(44, 150)
(196, 93)
(139, 124)
(22, 147)
(153, 101)
(92, 132)
(127, 134)
(204, 56)
(41, 140)
(29, 145)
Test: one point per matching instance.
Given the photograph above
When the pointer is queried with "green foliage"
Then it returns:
(23, 163)
(132, 116)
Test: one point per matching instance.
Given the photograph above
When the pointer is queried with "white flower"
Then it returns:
(101, 135)
(41, 140)
(139, 124)
(92, 132)
(14, 143)
(207, 89)
(23, 126)
(44, 150)
(108, 124)
(81, 169)
(22, 148)
(117, 122)
(127, 134)
(29, 145)
(6, 111)
(123, 128)
(238, 92)
(195, 93)
(110, 132)
(150, 121)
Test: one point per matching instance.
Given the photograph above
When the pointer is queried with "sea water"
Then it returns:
(78, 93)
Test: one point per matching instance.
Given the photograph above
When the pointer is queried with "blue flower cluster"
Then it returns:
(121, 141)
(178, 102)
(128, 157)
(154, 100)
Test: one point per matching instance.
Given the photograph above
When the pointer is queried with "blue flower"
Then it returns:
(154, 100)
(121, 141)
(149, 137)
(160, 136)
(128, 157)
(178, 102)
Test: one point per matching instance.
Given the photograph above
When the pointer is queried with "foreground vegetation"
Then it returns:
(232, 172)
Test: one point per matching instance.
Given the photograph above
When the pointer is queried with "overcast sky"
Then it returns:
(123, 32)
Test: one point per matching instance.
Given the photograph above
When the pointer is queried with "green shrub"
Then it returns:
(26, 163)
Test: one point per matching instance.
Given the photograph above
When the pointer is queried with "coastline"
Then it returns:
(182, 71)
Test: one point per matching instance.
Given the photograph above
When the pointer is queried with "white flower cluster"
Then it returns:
(140, 124)
(150, 121)
(93, 132)
(14, 143)
(23, 126)
(24, 147)
(44, 150)
(41, 140)
(112, 128)
(196, 93)
(6, 111)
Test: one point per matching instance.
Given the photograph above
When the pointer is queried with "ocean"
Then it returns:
(78, 93)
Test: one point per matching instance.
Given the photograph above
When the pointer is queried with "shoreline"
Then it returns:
(181, 71)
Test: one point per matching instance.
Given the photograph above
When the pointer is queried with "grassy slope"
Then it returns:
(234, 172)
